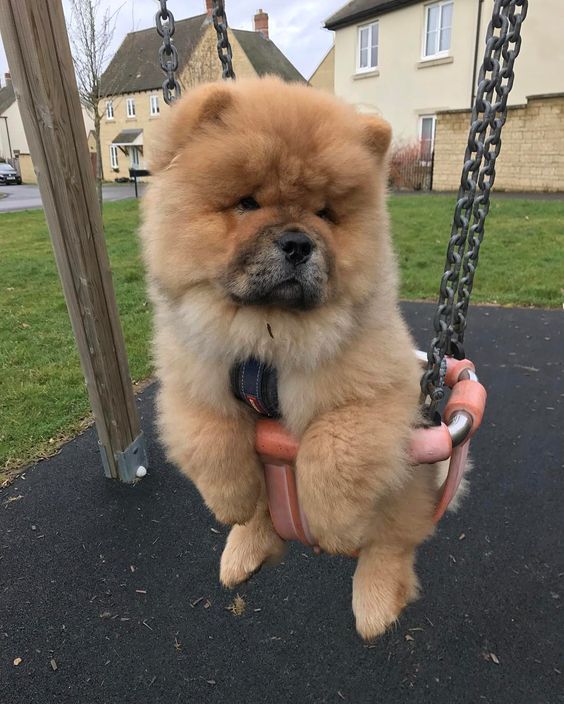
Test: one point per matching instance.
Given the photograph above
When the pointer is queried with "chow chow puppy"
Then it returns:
(266, 235)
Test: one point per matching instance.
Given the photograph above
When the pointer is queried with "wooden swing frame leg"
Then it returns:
(39, 56)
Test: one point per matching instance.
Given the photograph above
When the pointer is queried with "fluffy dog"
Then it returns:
(266, 235)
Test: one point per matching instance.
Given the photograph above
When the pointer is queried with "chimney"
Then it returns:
(261, 23)
(209, 7)
(8, 79)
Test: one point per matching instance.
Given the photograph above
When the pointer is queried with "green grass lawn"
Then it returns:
(521, 258)
(42, 392)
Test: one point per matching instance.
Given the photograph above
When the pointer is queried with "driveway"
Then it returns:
(27, 197)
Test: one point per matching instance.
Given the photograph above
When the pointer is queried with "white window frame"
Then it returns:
(370, 26)
(114, 156)
(130, 103)
(434, 119)
(110, 110)
(154, 107)
(445, 52)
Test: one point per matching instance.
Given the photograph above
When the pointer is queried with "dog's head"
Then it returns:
(268, 193)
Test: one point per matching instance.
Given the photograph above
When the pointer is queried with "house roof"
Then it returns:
(135, 66)
(265, 57)
(7, 97)
(359, 10)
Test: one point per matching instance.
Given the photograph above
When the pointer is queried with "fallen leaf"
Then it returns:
(237, 606)
(494, 658)
(207, 604)
(17, 661)
(408, 637)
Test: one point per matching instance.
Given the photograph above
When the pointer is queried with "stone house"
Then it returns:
(132, 83)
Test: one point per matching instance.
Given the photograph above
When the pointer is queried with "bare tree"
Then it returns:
(91, 32)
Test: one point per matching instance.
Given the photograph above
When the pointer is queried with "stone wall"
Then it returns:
(532, 154)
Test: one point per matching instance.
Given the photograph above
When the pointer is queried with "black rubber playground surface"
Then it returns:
(109, 593)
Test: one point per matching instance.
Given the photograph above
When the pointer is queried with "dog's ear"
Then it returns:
(199, 107)
(377, 134)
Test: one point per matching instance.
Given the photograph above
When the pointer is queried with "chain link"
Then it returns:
(489, 113)
(168, 56)
(224, 50)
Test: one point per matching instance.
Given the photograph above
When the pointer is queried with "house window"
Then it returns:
(109, 110)
(130, 107)
(367, 47)
(438, 29)
(427, 136)
(114, 156)
(154, 105)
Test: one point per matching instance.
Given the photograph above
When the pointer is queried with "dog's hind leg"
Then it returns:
(249, 546)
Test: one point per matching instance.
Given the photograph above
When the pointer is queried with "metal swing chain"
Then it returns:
(168, 55)
(489, 113)
(224, 50)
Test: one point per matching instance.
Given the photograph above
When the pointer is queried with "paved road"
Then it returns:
(117, 585)
(27, 197)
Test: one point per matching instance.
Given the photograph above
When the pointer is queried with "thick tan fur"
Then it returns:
(348, 378)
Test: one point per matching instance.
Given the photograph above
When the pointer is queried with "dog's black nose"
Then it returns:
(297, 247)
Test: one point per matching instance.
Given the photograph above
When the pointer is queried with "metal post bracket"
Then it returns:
(131, 463)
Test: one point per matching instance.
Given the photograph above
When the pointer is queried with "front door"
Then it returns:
(134, 157)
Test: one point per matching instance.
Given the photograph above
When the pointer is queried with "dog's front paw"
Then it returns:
(247, 548)
(383, 585)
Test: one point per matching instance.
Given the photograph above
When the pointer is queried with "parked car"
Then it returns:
(8, 175)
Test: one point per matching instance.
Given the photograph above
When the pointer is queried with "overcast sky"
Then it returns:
(296, 26)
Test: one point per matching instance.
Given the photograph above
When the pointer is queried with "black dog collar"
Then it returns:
(256, 384)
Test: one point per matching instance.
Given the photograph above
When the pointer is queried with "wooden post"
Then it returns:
(39, 56)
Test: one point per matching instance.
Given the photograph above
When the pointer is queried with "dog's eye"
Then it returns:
(248, 203)
(326, 214)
